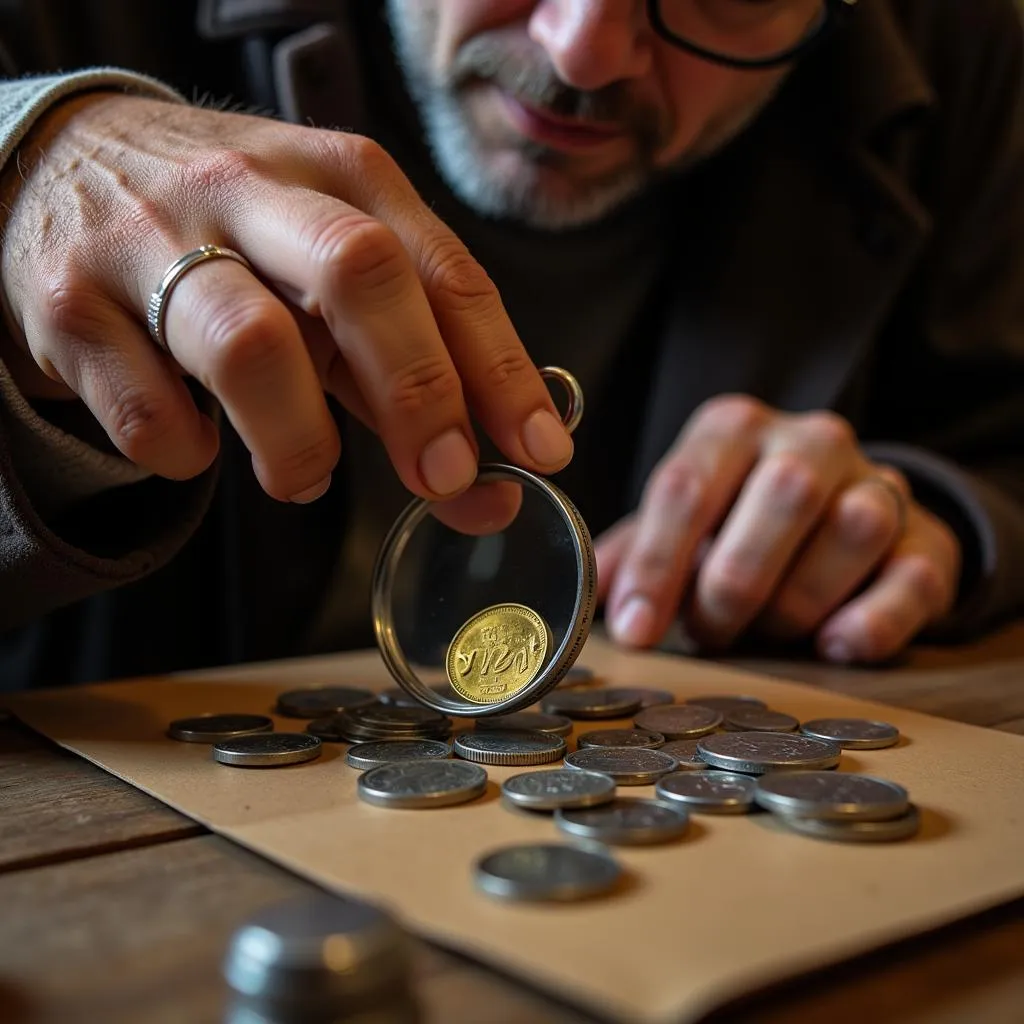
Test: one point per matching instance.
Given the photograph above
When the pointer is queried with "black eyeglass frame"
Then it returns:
(831, 17)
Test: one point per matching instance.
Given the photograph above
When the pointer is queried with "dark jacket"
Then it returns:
(861, 249)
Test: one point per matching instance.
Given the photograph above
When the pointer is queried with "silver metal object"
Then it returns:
(686, 753)
(853, 733)
(400, 698)
(494, 746)
(591, 703)
(679, 721)
(621, 738)
(558, 787)
(214, 728)
(268, 750)
(755, 753)
(726, 702)
(156, 309)
(627, 822)
(534, 721)
(566, 650)
(759, 720)
(371, 755)
(647, 696)
(389, 722)
(322, 701)
(708, 792)
(546, 871)
(831, 796)
(422, 784)
(892, 830)
(628, 766)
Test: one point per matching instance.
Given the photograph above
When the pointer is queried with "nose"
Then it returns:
(592, 43)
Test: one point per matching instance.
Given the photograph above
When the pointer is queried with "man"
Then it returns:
(736, 222)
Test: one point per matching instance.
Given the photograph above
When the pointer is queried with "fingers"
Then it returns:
(915, 586)
(483, 509)
(857, 531)
(610, 549)
(105, 356)
(232, 334)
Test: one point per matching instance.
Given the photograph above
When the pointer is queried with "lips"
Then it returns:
(570, 134)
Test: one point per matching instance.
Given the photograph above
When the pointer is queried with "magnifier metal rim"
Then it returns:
(566, 652)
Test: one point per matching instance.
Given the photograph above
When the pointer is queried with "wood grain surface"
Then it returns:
(117, 909)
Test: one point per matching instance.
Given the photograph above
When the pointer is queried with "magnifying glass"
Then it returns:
(474, 625)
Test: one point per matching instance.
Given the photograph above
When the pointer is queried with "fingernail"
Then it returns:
(838, 651)
(634, 624)
(546, 440)
(448, 464)
(312, 493)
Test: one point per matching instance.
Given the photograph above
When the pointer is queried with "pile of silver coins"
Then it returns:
(708, 755)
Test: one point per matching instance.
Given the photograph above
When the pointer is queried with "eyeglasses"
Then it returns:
(746, 33)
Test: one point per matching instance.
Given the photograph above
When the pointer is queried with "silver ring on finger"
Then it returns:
(156, 310)
(898, 496)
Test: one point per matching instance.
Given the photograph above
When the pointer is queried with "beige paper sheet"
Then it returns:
(737, 904)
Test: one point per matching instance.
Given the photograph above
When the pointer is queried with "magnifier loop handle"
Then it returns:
(574, 410)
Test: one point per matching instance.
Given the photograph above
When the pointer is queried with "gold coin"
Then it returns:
(497, 653)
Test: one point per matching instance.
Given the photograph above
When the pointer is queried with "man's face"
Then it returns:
(554, 112)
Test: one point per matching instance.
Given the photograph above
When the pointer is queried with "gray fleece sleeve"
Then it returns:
(75, 520)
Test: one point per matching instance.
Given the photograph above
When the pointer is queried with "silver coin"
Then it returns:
(546, 871)
(686, 753)
(534, 721)
(324, 700)
(889, 831)
(627, 822)
(726, 702)
(708, 792)
(268, 750)
(214, 728)
(394, 718)
(369, 755)
(558, 787)
(590, 703)
(755, 753)
(328, 729)
(831, 796)
(398, 697)
(621, 738)
(679, 721)
(853, 733)
(509, 748)
(422, 784)
(352, 733)
(628, 766)
(648, 697)
(760, 720)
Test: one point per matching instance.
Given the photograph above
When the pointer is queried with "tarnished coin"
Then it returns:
(621, 738)
(627, 822)
(679, 721)
(708, 792)
(686, 753)
(397, 696)
(558, 787)
(509, 748)
(330, 729)
(591, 703)
(759, 720)
(628, 766)
(755, 753)
(726, 702)
(578, 675)
(831, 796)
(324, 700)
(214, 728)
(648, 697)
(497, 653)
(546, 871)
(422, 784)
(889, 831)
(268, 750)
(370, 755)
(534, 721)
(853, 733)
(387, 721)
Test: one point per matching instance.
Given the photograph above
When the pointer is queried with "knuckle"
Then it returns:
(310, 461)
(458, 281)
(880, 635)
(138, 421)
(794, 484)
(361, 255)
(679, 486)
(730, 585)
(927, 581)
(732, 414)
(866, 518)
(507, 364)
(220, 170)
(828, 429)
(369, 158)
(650, 567)
(243, 338)
(427, 383)
(72, 306)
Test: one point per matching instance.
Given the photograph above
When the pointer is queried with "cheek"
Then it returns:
(460, 20)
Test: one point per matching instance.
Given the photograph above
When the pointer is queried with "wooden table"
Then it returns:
(116, 909)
